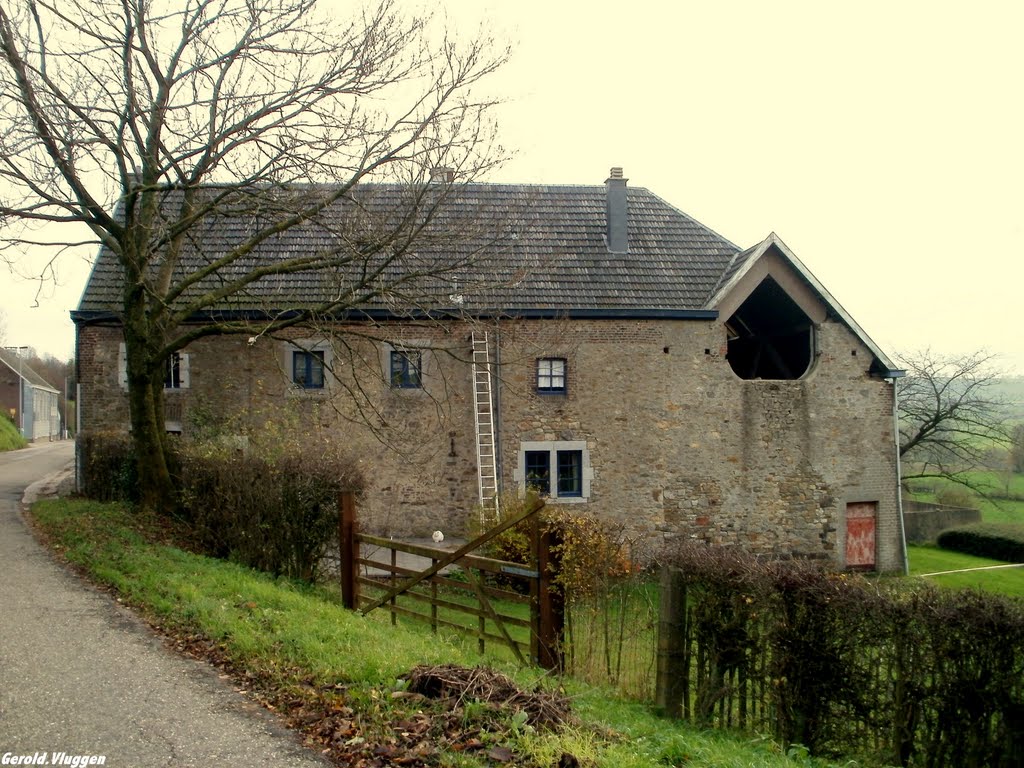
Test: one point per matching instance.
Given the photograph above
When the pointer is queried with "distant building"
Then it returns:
(32, 404)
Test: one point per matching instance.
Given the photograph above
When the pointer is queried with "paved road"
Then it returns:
(80, 675)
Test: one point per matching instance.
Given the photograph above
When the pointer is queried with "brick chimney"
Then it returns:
(616, 212)
(441, 174)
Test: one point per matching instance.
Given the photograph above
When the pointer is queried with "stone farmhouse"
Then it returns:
(611, 352)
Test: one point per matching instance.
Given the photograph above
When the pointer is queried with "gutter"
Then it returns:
(899, 471)
(528, 313)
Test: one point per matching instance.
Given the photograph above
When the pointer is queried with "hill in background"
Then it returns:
(1010, 389)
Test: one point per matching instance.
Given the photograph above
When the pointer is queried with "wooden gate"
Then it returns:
(461, 591)
(861, 520)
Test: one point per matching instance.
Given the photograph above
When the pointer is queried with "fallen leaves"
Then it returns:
(440, 709)
(541, 709)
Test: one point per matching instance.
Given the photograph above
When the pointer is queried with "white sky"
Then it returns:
(882, 141)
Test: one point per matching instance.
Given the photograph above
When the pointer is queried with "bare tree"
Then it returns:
(949, 416)
(140, 121)
(1017, 449)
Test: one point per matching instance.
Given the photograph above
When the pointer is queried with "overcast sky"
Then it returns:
(882, 141)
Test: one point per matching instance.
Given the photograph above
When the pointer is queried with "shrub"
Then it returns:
(998, 541)
(610, 613)
(956, 496)
(840, 664)
(256, 499)
(108, 469)
(514, 544)
(591, 551)
(276, 513)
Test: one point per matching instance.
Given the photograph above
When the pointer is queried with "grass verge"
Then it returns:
(10, 437)
(338, 677)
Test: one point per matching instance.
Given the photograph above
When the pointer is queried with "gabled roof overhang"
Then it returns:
(881, 365)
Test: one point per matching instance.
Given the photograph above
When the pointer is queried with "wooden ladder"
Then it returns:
(483, 406)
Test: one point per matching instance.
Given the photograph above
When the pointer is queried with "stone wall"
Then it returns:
(675, 444)
(104, 404)
(417, 446)
(924, 521)
(680, 446)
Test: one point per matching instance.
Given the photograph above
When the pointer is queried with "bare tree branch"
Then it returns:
(145, 122)
(949, 416)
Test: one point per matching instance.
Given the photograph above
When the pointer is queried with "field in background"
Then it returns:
(1004, 489)
(926, 559)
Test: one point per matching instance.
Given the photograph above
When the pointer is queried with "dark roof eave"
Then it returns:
(881, 370)
(604, 313)
(92, 315)
(581, 313)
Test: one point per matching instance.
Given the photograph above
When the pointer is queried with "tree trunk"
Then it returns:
(149, 436)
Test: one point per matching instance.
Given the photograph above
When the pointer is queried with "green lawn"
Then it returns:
(930, 559)
(1002, 511)
(1003, 483)
(927, 559)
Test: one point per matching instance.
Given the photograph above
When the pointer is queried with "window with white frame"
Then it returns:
(406, 369)
(551, 375)
(176, 370)
(557, 469)
(307, 364)
(308, 368)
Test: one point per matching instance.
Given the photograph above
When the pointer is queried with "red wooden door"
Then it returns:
(860, 534)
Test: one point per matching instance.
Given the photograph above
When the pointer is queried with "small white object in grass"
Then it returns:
(438, 537)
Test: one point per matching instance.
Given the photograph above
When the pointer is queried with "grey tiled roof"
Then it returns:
(542, 248)
(10, 359)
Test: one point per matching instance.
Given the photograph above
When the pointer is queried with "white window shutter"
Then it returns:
(122, 366)
(183, 374)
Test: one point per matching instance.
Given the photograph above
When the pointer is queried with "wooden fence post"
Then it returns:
(672, 657)
(348, 549)
(549, 600)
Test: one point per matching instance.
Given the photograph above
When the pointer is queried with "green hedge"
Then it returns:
(274, 509)
(998, 541)
(898, 674)
(275, 514)
(108, 466)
